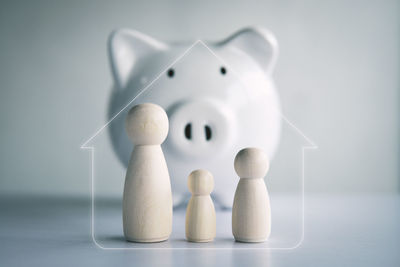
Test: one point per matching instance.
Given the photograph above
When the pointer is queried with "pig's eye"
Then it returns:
(171, 73)
(222, 70)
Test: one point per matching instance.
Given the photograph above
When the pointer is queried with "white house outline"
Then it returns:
(309, 146)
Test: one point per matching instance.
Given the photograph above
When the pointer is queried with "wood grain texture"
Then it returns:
(147, 200)
(251, 212)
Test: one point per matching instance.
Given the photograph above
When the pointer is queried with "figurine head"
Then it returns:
(201, 182)
(251, 163)
(147, 124)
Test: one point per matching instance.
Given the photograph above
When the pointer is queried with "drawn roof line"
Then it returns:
(84, 145)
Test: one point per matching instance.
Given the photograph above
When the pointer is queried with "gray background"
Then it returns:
(337, 76)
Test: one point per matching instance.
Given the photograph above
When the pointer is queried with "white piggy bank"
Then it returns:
(219, 97)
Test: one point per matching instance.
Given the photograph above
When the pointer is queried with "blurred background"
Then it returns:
(337, 75)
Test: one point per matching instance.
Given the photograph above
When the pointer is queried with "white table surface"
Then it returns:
(360, 230)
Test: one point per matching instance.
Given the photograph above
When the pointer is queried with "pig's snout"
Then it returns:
(199, 128)
(207, 131)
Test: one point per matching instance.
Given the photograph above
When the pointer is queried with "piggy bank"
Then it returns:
(219, 96)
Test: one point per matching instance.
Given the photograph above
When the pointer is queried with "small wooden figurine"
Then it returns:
(200, 212)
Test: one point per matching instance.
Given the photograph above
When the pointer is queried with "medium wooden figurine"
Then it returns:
(251, 212)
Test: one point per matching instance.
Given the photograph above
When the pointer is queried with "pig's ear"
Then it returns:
(258, 43)
(126, 48)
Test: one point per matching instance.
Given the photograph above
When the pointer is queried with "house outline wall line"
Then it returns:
(310, 146)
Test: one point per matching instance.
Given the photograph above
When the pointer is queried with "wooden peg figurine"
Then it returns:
(251, 212)
(200, 212)
(147, 199)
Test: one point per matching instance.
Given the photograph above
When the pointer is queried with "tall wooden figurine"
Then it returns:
(147, 200)
(200, 212)
(251, 212)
